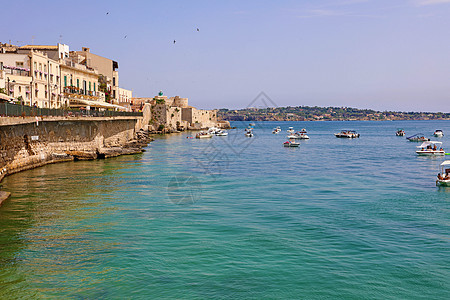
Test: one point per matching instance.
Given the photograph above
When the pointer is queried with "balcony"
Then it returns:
(80, 93)
(16, 71)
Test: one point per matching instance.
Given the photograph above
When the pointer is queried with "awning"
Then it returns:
(426, 144)
(446, 163)
(96, 103)
(6, 97)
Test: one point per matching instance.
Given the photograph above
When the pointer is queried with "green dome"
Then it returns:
(160, 93)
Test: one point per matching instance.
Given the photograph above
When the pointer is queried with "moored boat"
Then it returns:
(438, 133)
(276, 130)
(347, 134)
(400, 132)
(221, 133)
(430, 148)
(203, 135)
(443, 178)
(418, 137)
(291, 143)
(249, 132)
(290, 130)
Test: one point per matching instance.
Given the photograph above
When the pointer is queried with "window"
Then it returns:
(20, 89)
(89, 86)
(94, 86)
(19, 64)
(78, 83)
(65, 80)
(114, 81)
(40, 67)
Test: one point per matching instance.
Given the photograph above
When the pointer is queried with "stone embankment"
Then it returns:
(27, 143)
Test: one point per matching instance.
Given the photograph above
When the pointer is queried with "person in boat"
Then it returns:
(442, 149)
(435, 148)
(439, 176)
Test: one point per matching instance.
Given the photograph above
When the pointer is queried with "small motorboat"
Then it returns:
(418, 137)
(221, 133)
(302, 134)
(290, 130)
(438, 133)
(400, 132)
(249, 132)
(430, 148)
(213, 130)
(350, 134)
(276, 130)
(203, 135)
(291, 143)
(443, 178)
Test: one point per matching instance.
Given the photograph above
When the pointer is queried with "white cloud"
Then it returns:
(431, 2)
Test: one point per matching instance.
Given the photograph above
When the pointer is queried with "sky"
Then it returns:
(377, 54)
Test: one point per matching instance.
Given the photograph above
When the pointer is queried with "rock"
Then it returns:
(3, 196)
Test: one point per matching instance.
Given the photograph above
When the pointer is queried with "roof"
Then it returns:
(39, 47)
(446, 163)
(429, 143)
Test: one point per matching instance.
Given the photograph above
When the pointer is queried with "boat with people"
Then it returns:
(301, 134)
(400, 132)
(438, 133)
(290, 130)
(430, 148)
(418, 137)
(203, 135)
(276, 130)
(347, 134)
(249, 132)
(443, 178)
(291, 143)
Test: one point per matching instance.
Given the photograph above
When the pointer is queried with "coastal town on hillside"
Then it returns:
(55, 77)
(308, 113)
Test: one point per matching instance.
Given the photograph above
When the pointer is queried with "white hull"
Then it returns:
(349, 136)
(430, 153)
(443, 182)
(204, 136)
(438, 135)
(291, 145)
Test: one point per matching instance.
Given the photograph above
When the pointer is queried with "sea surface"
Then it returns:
(235, 218)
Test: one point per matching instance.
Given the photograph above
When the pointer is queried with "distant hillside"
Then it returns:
(307, 113)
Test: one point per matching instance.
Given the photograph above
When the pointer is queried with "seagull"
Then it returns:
(198, 29)
(107, 13)
(174, 41)
(125, 37)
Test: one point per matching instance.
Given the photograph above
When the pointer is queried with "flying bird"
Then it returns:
(198, 29)
(174, 41)
(107, 13)
(125, 37)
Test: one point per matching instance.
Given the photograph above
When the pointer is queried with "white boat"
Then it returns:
(291, 143)
(301, 135)
(249, 132)
(430, 148)
(400, 132)
(438, 133)
(347, 134)
(290, 130)
(213, 130)
(203, 135)
(221, 133)
(276, 130)
(444, 176)
(418, 137)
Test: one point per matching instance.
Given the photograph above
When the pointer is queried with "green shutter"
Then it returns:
(94, 86)
(78, 83)
(65, 81)
(89, 86)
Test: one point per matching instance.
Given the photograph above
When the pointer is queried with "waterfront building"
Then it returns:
(124, 98)
(107, 68)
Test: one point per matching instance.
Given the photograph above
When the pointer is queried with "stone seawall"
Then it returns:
(27, 144)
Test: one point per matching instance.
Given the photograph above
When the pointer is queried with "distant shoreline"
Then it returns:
(307, 113)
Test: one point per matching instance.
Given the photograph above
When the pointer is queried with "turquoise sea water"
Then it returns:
(235, 218)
